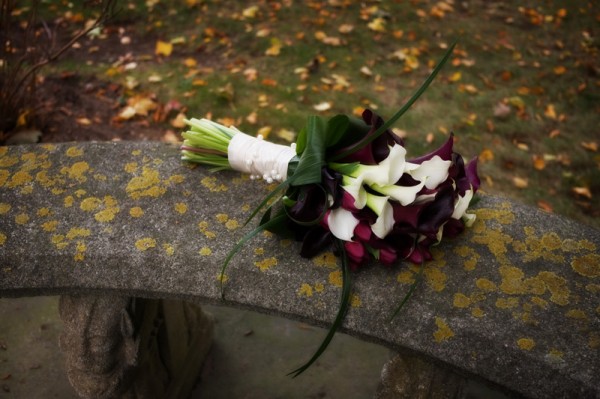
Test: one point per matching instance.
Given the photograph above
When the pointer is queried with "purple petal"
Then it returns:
(316, 240)
(444, 152)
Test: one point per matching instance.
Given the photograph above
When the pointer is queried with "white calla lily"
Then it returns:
(385, 173)
(403, 194)
(342, 224)
(461, 205)
(385, 215)
(433, 172)
(355, 188)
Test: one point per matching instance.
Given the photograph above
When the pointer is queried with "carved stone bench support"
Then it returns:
(122, 347)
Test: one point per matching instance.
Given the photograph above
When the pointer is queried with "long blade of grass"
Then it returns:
(401, 111)
(412, 288)
(243, 241)
(339, 318)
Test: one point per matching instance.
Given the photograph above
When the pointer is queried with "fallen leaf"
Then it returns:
(190, 62)
(550, 112)
(250, 12)
(275, 48)
(163, 48)
(456, 76)
(366, 71)
(519, 182)
(545, 206)
(346, 28)
(84, 121)
(582, 192)
(322, 107)
(554, 133)
(590, 146)
(538, 162)
(179, 121)
(377, 25)
(264, 131)
(501, 111)
(486, 155)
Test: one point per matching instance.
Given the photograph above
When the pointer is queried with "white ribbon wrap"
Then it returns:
(259, 158)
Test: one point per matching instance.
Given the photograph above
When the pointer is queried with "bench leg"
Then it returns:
(122, 347)
(410, 377)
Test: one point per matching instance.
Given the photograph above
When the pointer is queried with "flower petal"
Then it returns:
(355, 188)
(461, 204)
(342, 223)
(433, 172)
(403, 194)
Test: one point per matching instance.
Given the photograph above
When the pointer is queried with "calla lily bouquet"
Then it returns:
(347, 183)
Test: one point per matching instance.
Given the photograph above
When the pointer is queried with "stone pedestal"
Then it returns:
(122, 347)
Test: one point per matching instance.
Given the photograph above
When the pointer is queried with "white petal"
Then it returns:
(354, 187)
(385, 214)
(342, 223)
(461, 205)
(433, 171)
(404, 194)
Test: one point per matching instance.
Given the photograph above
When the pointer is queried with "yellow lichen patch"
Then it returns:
(2, 238)
(434, 277)
(507, 303)
(469, 253)
(76, 232)
(576, 314)
(326, 259)
(266, 264)
(50, 225)
(267, 234)
(335, 278)
(177, 179)
(245, 207)
(222, 217)
(136, 153)
(181, 208)
(461, 300)
(477, 312)
(76, 171)
(90, 204)
(68, 201)
(405, 277)
(540, 302)
(587, 265)
(319, 287)
(203, 227)
(205, 251)
(146, 185)
(212, 184)
(19, 178)
(59, 241)
(8, 161)
(22, 218)
(43, 212)
(286, 242)
(593, 288)
(502, 216)
(4, 208)
(222, 278)
(232, 224)
(557, 286)
(305, 290)
(169, 249)
(496, 241)
(136, 212)
(143, 244)
(486, 285)
(74, 152)
(443, 332)
(259, 251)
(551, 241)
(130, 167)
(512, 280)
(80, 193)
(3, 151)
(594, 340)
(4, 174)
(80, 251)
(100, 177)
(355, 301)
(526, 343)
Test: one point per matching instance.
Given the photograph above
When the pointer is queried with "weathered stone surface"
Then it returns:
(513, 300)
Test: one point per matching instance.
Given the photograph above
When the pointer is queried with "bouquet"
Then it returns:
(347, 183)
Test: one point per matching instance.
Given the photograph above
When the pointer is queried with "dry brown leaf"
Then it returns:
(538, 162)
(582, 192)
(545, 206)
(486, 155)
(590, 145)
(520, 182)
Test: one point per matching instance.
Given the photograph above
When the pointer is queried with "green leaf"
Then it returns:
(339, 318)
(336, 129)
(311, 161)
(412, 288)
(401, 111)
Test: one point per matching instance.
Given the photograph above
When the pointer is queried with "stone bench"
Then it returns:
(125, 230)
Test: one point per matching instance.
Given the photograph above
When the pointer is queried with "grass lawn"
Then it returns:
(520, 91)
